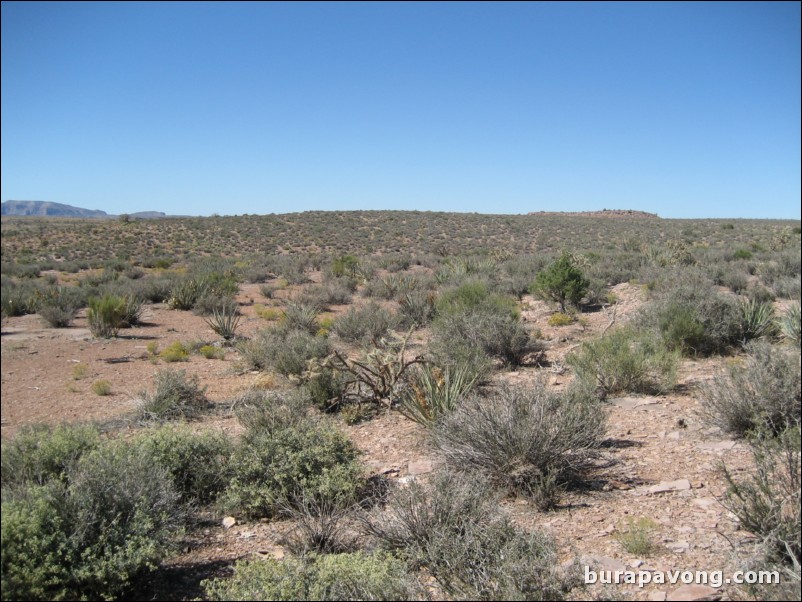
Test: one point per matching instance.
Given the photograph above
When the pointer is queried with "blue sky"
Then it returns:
(682, 109)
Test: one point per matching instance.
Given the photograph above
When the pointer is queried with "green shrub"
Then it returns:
(210, 352)
(562, 282)
(743, 254)
(761, 394)
(434, 392)
(368, 324)
(40, 453)
(198, 463)
(692, 317)
(273, 466)
(454, 529)
(355, 576)
(300, 316)
(471, 322)
(175, 397)
(637, 537)
(184, 294)
(625, 361)
(416, 308)
(528, 440)
(560, 319)
(175, 352)
(326, 389)
(105, 315)
(345, 265)
(88, 537)
(286, 351)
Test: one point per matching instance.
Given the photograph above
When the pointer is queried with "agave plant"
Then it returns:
(224, 323)
(790, 324)
(757, 320)
(434, 392)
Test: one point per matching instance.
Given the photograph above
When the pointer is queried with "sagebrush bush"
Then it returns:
(453, 527)
(368, 324)
(272, 466)
(762, 393)
(287, 351)
(91, 535)
(693, 318)
(625, 361)
(768, 503)
(270, 411)
(176, 396)
(528, 440)
(463, 333)
(354, 576)
(300, 316)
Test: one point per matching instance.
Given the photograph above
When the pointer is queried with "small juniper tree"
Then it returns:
(562, 282)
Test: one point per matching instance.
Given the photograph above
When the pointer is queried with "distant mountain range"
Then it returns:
(48, 209)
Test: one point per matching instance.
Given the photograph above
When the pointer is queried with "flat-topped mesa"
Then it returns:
(609, 213)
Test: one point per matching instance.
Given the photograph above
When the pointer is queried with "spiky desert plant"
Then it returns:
(436, 392)
(224, 323)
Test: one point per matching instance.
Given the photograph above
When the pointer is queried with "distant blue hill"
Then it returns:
(48, 209)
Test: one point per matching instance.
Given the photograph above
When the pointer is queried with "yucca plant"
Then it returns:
(224, 323)
(790, 324)
(757, 320)
(435, 392)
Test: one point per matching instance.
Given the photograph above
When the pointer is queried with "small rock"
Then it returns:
(716, 446)
(678, 546)
(229, 522)
(668, 486)
(674, 435)
(658, 596)
(603, 563)
(694, 593)
(636, 564)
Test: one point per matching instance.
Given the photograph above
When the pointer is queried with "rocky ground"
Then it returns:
(662, 460)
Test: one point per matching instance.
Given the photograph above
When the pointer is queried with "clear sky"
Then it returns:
(682, 109)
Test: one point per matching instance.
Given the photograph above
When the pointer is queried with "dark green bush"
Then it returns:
(273, 466)
(761, 394)
(625, 361)
(355, 576)
(287, 351)
(473, 324)
(198, 463)
(41, 453)
(88, 537)
(562, 282)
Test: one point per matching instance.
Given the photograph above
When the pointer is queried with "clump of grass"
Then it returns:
(271, 314)
(101, 387)
(79, 371)
(637, 537)
(625, 361)
(176, 396)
